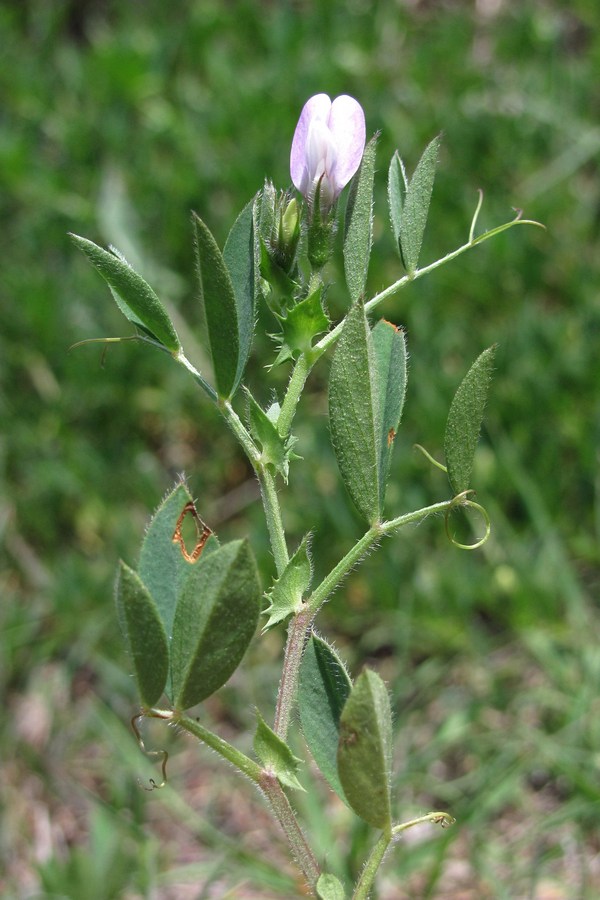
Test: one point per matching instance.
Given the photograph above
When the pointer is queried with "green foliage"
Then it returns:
(275, 755)
(330, 888)
(285, 597)
(409, 202)
(353, 413)
(85, 445)
(358, 225)
(301, 324)
(367, 384)
(390, 357)
(144, 633)
(323, 690)
(190, 613)
(215, 620)
(240, 255)
(276, 451)
(134, 296)
(220, 303)
(464, 421)
(365, 750)
(162, 566)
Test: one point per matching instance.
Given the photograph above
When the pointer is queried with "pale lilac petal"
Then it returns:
(321, 151)
(317, 107)
(347, 126)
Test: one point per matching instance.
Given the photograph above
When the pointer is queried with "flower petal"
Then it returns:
(319, 107)
(347, 126)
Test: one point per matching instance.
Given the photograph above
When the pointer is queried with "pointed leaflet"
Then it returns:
(358, 225)
(464, 421)
(397, 185)
(365, 750)
(330, 888)
(275, 755)
(215, 620)
(144, 633)
(220, 307)
(163, 567)
(285, 597)
(389, 350)
(240, 255)
(324, 687)
(354, 413)
(276, 451)
(134, 296)
(413, 216)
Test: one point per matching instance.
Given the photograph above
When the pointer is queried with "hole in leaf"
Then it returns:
(191, 532)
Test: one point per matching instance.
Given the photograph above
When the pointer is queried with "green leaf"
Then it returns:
(324, 686)
(365, 750)
(397, 186)
(285, 597)
(303, 322)
(330, 888)
(221, 309)
(416, 206)
(358, 225)
(276, 451)
(163, 566)
(464, 421)
(275, 755)
(239, 255)
(144, 634)
(354, 413)
(389, 349)
(215, 620)
(134, 296)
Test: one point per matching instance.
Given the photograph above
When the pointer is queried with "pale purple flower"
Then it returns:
(328, 144)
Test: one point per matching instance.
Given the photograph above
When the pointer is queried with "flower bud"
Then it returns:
(327, 148)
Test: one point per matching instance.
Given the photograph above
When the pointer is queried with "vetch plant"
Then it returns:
(190, 609)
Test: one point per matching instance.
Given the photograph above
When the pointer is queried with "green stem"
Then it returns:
(300, 373)
(418, 273)
(241, 433)
(438, 818)
(184, 361)
(418, 515)
(223, 748)
(286, 817)
(272, 510)
(300, 624)
(266, 782)
(345, 565)
(367, 877)
(268, 490)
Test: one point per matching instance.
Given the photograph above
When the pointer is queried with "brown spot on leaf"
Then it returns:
(203, 532)
(390, 437)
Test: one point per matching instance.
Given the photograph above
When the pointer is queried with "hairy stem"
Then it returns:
(345, 565)
(300, 373)
(222, 747)
(300, 624)
(286, 817)
(272, 510)
(288, 686)
(418, 515)
(368, 874)
(267, 783)
(371, 867)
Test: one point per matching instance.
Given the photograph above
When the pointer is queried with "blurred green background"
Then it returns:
(116, 120)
